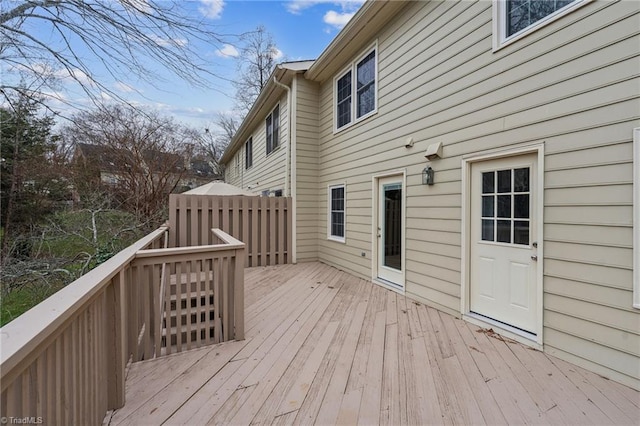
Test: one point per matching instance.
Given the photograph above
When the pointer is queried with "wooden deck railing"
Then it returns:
(64, 361)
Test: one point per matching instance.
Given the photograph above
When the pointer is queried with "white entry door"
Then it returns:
(390, 229)
(503, 279)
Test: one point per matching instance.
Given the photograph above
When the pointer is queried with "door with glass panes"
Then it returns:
(390, 230)
(503, 284)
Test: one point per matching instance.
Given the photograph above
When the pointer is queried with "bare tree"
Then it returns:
(255, 63)
(127, 37)
(137, 158)
(215, 139)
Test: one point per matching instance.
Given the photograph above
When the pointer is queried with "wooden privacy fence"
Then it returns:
(64, 361)
(262, 223)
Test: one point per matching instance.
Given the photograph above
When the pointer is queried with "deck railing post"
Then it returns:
(116, 343)
(238, 294)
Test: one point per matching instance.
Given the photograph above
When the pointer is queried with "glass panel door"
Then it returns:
(392, 230)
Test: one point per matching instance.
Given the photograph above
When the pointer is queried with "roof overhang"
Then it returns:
(267, 99)
(364, 25)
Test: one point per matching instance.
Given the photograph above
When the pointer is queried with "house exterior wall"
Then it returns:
(307, 214)
(268, 171)
(572, 85)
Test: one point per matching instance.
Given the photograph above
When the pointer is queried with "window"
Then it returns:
(277, 193)
(344, 100)
(273, 129)
(357, 100)
(366, 73)
(516, 18)
(248, 153)
(506, 206)
(336, 213)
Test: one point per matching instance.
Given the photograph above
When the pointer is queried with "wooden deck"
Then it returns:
(325, 347)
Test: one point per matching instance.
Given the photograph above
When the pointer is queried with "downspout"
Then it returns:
(287, 192)
(289, 184)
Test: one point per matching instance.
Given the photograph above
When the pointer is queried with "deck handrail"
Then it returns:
(65, 359)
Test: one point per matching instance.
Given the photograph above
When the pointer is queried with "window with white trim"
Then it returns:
(248, 153)
(273, 129)
(355, 100)
(336, 229)
(516, 18)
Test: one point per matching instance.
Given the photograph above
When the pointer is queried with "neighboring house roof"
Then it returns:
(283, 73)
(219, 188)
(103, 157)
(98, 155)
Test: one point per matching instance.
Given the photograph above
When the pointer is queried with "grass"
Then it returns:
(67, 244)
(19, 301)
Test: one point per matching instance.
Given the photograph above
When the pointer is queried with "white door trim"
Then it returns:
(467, 161)
(636, 218)
(402, 174)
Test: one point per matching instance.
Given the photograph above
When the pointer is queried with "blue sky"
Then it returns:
(300, 28)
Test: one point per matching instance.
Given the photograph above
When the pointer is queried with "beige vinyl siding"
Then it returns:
(306, 95)
(574, 85)
(267, 172)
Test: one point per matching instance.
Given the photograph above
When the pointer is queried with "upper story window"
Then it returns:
(273, 129)
(356, 101)
(514, 19)
(366, 89)
(248, 153)
(343, 95)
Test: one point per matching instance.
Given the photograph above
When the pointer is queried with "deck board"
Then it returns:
(326, 347)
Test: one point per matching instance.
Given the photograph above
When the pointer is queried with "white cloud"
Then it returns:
(138, 5)
(75, 74)
(55, 96)
(297, 6)
(227, 51)
(211, 9)
(123, 87)
(337, 19)
(277, 54)
(168, 41)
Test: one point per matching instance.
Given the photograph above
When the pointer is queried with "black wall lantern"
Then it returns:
(427, 176)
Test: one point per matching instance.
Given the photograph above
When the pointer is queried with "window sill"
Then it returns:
(337, 239)
(353, 123)
(276, 149)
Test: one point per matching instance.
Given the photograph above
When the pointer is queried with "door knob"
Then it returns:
(534, 257)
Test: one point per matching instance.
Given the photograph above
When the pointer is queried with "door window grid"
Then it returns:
(506, 207)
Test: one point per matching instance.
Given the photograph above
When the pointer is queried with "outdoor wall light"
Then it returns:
(427, 176)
